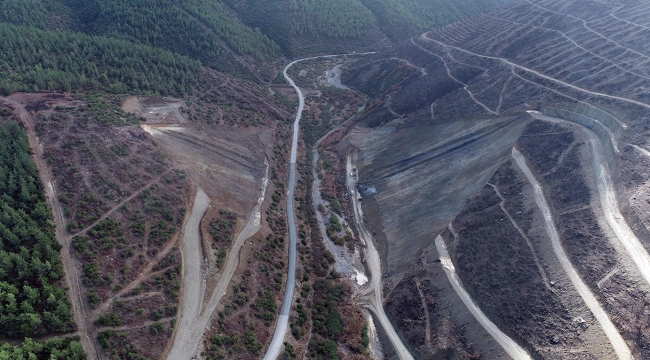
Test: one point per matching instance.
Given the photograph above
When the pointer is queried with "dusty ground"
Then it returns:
(228, 164)
(155, 109)
(116, 212)
(533, 55)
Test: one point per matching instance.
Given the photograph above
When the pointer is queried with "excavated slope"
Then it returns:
(419, 177)
(447, 112)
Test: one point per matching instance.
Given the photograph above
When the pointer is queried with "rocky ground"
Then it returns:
(584, 62)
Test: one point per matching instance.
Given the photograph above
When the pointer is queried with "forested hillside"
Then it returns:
(68, 348)
(36, 60)
(123, 47)
(32, 299)
(197, 28)
(204, 30)
(217, 32)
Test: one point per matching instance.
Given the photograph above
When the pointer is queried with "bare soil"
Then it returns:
(83, 142)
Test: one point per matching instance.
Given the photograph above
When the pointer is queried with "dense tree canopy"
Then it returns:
(264, 30)
(32, 302)
(331, 18)
(59, 349)
(35, 60)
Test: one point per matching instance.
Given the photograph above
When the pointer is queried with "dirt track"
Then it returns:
(620, 346)
(195, 316)
(72, 271)
(609, 203)
(372, 257)
(511, 347)
(193, 281)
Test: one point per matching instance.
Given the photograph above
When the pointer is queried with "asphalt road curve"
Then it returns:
(283, 321)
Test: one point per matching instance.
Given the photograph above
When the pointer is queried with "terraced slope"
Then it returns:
(582, 64)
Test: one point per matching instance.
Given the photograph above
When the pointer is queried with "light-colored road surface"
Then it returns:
(72, 272)
(620, 346)
(283, 320)
(187, 341)
(374, 265)
(510, 346)
(608, 202)
(615, 219)
(192, 267)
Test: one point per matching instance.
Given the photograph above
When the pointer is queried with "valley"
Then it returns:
(470, 75)
(366, 179)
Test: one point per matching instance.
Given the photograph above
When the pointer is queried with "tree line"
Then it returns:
(35, 60)
(195, 28)
(32, 301)
(58, 348)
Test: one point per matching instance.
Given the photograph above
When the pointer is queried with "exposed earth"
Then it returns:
(543, 254)
(479, 191)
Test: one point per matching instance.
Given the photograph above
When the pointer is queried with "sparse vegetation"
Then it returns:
(222, 229)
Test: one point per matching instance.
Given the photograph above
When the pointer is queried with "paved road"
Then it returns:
(510, 346)
(283, 320)
(620, 346)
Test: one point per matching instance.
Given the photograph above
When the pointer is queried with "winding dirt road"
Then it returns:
(613, 215)
(609, 203)
(510, 346)
(539, 74)
(193, 281)
(620, 346)
(72, 271)
(197, 318)
(374, 265)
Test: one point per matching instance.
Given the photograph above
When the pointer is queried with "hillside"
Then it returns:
(154, 221)
(547, 224)
(241, 38)
(399, 20)
(32, 281)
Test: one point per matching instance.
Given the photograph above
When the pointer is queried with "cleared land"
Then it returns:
(584, 62)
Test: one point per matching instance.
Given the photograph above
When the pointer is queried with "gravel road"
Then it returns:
(187, 341)
(510, 346)
(193, 282)
(620, 346)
